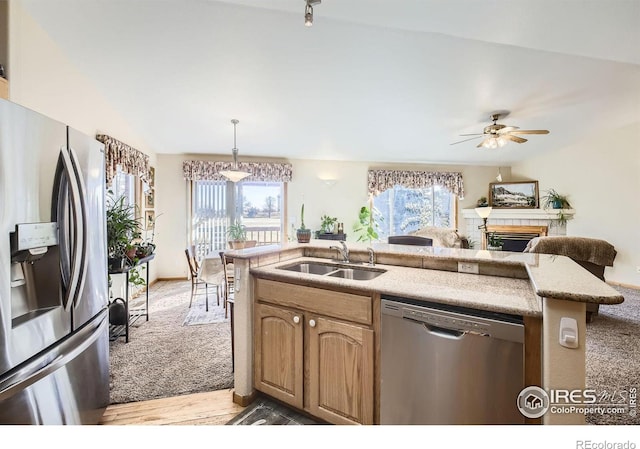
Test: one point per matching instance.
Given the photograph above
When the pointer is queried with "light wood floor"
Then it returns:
(211, 408)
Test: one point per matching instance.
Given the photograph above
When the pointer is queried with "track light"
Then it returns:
(308, 12)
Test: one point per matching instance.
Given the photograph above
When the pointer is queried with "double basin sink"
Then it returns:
(336, 269)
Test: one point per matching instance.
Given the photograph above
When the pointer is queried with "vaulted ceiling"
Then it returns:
(373, 80)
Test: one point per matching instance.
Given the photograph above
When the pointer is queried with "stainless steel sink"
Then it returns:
(311, 268)
(357, 274)
(340, 270)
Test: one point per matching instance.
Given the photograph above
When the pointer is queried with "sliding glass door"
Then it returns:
(216, 204)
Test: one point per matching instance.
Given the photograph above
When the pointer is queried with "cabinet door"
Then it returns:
(341, 371)
(278, 353)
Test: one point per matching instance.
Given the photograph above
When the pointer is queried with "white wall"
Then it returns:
(45, 80)
(343, 199)
(601, 175)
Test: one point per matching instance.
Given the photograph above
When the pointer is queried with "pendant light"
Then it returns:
(234, 175)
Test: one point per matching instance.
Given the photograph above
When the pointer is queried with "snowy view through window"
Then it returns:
(402, 210)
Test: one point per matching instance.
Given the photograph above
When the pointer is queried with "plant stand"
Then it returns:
(116, 331)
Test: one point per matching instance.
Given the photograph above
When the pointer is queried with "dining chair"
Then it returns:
(410, 240)
(228, 268)
(194, 274)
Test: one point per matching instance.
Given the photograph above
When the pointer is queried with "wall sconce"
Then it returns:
(483, 212)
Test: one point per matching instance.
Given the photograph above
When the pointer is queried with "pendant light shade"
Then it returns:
(234, 175)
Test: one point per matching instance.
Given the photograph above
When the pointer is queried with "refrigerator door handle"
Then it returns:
(58, 202)
(65, 352)
(77, 211)
(81, 227)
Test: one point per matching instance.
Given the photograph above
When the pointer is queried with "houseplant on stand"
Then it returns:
(303, 234)
(122, 230)
(327, 224)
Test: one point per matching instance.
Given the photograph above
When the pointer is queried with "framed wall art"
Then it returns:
(149, 199)
(514, 195)
(149, 220)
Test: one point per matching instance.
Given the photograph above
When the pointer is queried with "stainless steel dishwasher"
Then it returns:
(449, 365)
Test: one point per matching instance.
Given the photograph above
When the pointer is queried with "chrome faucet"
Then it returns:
(372, 256)
(344, 251)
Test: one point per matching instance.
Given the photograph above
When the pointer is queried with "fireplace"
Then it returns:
(515, 237)
(523, 223)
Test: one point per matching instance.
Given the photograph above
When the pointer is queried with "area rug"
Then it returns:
(613, 356)
(198, 314)
(264, 411)
(164, 358)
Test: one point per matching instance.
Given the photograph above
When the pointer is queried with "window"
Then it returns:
(403, 210)
(255, 204)
(123, 184)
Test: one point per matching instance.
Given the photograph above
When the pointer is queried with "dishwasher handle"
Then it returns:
(438, 331)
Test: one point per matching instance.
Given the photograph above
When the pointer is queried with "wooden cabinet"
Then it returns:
(312, 361)
(278, 353)
(340, 371)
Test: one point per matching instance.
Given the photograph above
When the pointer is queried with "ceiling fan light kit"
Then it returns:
(308, 12)
(498, 135)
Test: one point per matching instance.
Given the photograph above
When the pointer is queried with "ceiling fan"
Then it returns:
(498, 135)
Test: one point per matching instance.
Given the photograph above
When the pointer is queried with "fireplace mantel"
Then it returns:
(521, 214)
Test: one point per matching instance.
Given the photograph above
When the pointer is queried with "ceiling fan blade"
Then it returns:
(474, 134)
(514, 138)
(466, 140)
(507, 129)
(531, 131)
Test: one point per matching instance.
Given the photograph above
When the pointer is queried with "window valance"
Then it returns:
(129, 159)
(260, 171)
(381, 180)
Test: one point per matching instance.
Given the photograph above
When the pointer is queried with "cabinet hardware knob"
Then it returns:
(312, 323)
(296, 319)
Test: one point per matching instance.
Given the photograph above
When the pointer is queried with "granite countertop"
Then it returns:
(498, 294)
(547, 276)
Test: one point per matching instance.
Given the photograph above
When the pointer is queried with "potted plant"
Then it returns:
(553, 200)
(366, 228)
(237, 234)
(482, 202)
(494, 242)
(327, 224)
(122, 230)
(303, 234)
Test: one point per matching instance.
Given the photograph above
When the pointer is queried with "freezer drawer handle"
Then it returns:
(34, 372)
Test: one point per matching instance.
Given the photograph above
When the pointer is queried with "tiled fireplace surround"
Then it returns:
(514, 220)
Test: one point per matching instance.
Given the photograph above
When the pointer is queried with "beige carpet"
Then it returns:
(166, 358)
(613, 355)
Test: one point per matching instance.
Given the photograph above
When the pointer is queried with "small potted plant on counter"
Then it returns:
(122, 230)
(303, 234)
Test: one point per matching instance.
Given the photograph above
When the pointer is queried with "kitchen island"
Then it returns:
(540, 288)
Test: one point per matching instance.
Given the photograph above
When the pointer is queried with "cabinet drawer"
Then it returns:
(345, 306)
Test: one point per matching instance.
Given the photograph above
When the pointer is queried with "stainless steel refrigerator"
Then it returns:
(54, 348)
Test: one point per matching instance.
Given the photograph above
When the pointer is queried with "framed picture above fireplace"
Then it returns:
(514, 195)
